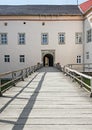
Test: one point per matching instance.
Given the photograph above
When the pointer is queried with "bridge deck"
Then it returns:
(46, 100)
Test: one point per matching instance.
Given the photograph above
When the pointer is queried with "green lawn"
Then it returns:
(87, 81)
(6, 86)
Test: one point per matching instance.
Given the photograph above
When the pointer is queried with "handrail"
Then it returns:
(79, 77)
(16, 75)
(81, 67)
(58, 66)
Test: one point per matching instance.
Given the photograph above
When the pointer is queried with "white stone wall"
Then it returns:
(65, 54)
(87, 46)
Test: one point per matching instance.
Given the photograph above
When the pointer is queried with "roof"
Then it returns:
(86, 6)
(39, 10)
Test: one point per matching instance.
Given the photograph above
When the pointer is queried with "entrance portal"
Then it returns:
(48, 60)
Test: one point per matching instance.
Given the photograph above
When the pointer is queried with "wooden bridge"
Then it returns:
(46, 100)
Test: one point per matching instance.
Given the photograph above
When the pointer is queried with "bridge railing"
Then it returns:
(58, 66)
(84, 80)
(87, 67)
(10, 78)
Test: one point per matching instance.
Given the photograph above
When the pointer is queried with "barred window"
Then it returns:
(87, 55)
(21, 38)
(89, 35)
(44, 38)
(6, 58)
(3, 38)
(22, 58)
(78, 38)
(61, 38)
(78, 59)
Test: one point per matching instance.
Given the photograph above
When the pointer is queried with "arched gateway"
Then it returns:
(48, 57)
(48, 60)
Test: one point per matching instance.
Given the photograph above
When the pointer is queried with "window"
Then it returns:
(3, 38)
(6, 58)
(78, 38)
(22, 58)
(78, 59)
(89, 35)
(87, 55)
(44, 38)
(21, 38)
(61, 38)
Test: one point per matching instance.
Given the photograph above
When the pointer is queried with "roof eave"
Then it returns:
(41, 15)
(87, 10)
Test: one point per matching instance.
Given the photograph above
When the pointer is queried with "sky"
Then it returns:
(48, 2)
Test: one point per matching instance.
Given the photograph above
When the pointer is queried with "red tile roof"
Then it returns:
(86, 6)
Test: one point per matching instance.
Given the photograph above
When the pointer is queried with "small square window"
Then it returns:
(6, 58)
(22, 58)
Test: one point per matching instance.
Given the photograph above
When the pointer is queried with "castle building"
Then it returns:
(47, 34)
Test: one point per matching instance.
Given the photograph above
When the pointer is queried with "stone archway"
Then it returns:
(48, 57)
(48, 60)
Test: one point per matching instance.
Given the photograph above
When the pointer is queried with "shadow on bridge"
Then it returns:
(13, 98)
(46, 99)
(27, 109)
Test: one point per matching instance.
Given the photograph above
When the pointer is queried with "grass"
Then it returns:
(87, 81)
(3, 81)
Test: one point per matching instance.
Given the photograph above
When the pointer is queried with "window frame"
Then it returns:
(21, 39)
(22, 58)
(6, 58)
(3, 39)
(78, 35)
(61, 38)
(89, 35)
(87, 55)
(79, 59)
(46, 38)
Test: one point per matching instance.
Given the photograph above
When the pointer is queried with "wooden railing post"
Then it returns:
(13, 77)
(0, 89)
(22, 77)
(63, 70)
(81, 82)
(32, 69)
(26, 72)
(73, 78)
(29, 71)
